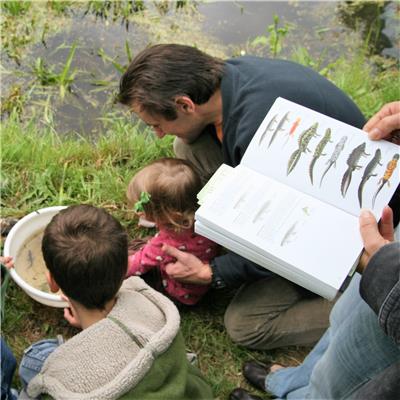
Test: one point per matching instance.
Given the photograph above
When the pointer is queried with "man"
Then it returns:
(214, 107)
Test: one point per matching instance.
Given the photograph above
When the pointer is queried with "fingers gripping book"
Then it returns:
(292, 205)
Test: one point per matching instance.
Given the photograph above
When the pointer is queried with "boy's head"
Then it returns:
(86, 251)
(172, 185)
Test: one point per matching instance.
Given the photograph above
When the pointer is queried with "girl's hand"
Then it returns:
(8, 262)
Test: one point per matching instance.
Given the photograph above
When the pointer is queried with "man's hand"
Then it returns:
(187, 268)
(375, 237)
(385, 122)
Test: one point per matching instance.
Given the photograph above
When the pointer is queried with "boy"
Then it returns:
(130, 345)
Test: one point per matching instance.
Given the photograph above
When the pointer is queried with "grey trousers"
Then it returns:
(271, 312)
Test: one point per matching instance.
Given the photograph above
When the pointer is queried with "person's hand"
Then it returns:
(70, 313)
(187, 268)
(385, 122)
(8, 262)
(374, 237)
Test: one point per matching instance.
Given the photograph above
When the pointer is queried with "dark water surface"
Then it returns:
(224, 28)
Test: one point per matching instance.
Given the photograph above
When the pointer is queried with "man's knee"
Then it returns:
(248, 332)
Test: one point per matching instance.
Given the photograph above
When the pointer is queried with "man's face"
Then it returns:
(187, 126)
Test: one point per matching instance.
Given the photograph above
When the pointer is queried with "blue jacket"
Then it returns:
(380, 288)
(249, 88)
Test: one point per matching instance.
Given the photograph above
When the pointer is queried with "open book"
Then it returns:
(292, 205)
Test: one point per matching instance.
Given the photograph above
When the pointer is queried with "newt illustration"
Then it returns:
(304, 140)
(30, 259)
(335, 155)
(294, 126)
(318, 152)
(279, 127)
(391, 166)
(292, 129)
(267, 129)
(368, 172)
(352, 163)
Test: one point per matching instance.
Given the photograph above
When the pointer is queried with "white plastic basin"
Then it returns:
(19, 233)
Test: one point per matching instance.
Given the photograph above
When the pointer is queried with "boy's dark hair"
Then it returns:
(173, 185)
(158, 74)
(86, 251)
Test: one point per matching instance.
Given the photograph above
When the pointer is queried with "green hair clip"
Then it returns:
(144, 199)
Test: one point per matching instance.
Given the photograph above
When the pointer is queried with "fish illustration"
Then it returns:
(267, 129)
(291, 232)
(279, 127)
(352, 161)
(335, 155)
(262, 210)
(319, 152)
(368, 172)
(391, 166)
(304, 140)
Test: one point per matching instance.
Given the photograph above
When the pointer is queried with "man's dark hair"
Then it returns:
(86, 251)
(158, 74)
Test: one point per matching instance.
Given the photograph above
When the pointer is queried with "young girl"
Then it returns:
(165, 192)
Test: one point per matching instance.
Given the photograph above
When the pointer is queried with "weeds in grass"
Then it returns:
(16, 8)
(43, 169)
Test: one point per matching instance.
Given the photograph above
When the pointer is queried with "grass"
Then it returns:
(40, 169)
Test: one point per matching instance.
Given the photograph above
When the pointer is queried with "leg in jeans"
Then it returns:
(8, 364)
(294, 383)
(290, 380)
(34, 358)
(205, 154)
(274, 312)
(358, 350)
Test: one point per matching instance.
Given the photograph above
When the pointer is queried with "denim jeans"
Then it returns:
(8, 364)
(34, 358)
(353, 350)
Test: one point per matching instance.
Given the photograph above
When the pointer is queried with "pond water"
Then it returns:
(29, 263)
(104, 46)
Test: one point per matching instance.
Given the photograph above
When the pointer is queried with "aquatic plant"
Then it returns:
(275, 37)
(106, 58)
(114, 9)
(59, 6)
(48, 77)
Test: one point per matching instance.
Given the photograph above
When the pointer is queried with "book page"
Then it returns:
(324, 158)
(294, 229)
(214, 182)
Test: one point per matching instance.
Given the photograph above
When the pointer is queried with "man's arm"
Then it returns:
(235, 270)
(380, 288)
(380, 283)
(230, 269)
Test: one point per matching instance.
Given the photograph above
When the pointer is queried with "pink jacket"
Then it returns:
(151, 256)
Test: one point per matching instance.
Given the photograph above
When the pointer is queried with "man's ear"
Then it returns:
(52, 283)
(185, 104)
